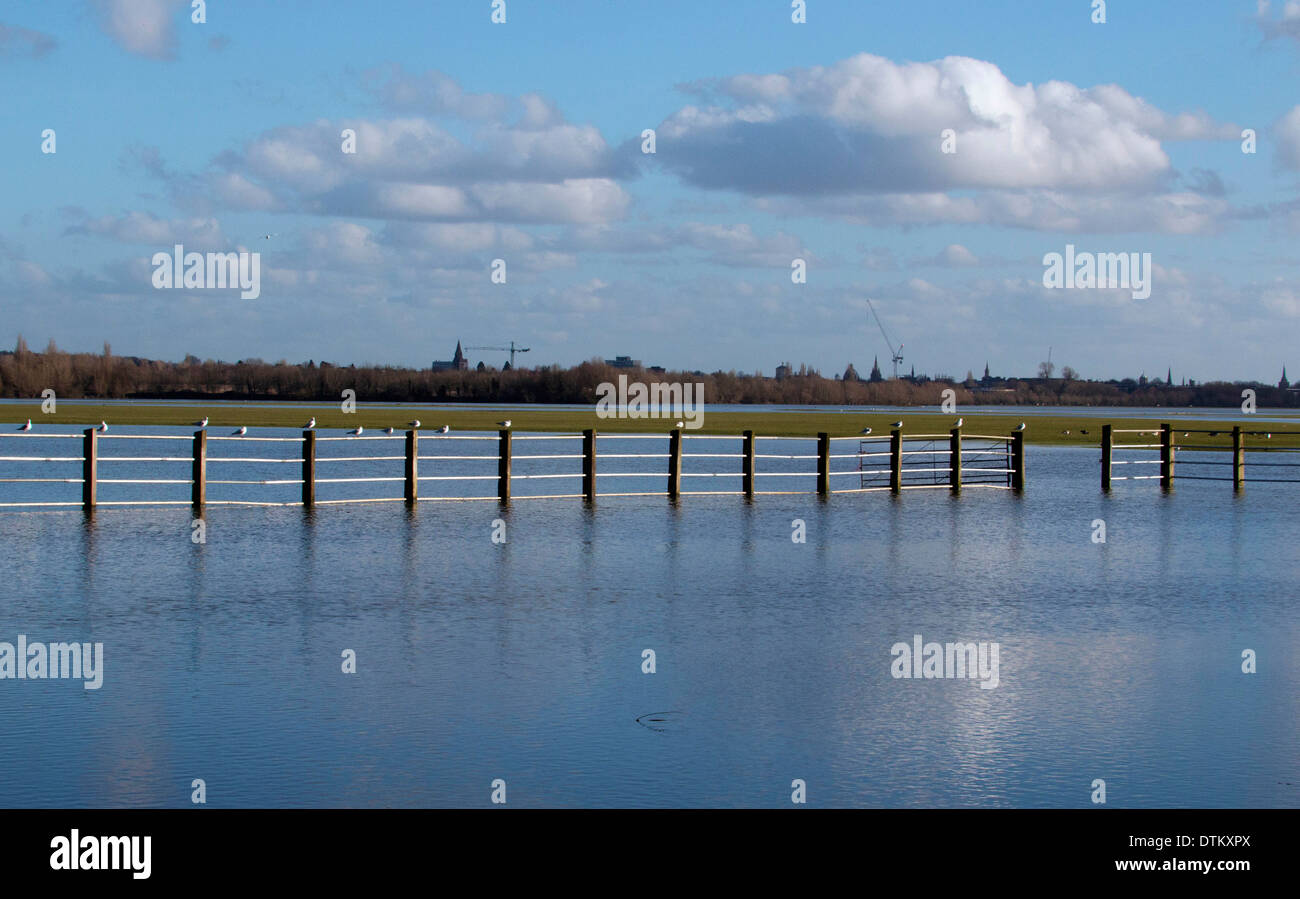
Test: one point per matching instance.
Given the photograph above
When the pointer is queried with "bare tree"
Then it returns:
(1045, 370)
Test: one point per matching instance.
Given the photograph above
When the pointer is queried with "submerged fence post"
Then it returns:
(1106, 440)
(503, 467)
(675, 464)
(199, 477)
(412, 466)
(823, 464)
(1166, 456)
(896, 460)
(1018, 461)
(954, 460)
(1238, 458)
(89, 450)
(308, 469)
(589, 464)
(747, 463)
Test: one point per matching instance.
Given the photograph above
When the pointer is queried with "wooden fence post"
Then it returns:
(589, 464)
(747, 463)
(954, 460)
(1106, 442)
(675, 464)
(412, 492)
(199, 476)
(308, 469)
(89, 452)
(896, 460)
(823, 464)
(1166, 456)
(1238, 458)
(503, 466)
(1018, 461)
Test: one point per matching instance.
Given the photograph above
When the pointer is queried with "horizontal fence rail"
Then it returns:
(730, 464)
(1170, 441)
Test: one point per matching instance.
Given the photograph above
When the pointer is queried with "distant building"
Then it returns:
(623, 362)
(875, 377)
(458, 362)
(1283, 384)
(851, 373)
(783, 371)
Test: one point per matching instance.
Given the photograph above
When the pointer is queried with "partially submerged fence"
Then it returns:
(1237, 443)
(913, 461)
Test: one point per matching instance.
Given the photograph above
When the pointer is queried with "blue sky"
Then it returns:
(775, 141)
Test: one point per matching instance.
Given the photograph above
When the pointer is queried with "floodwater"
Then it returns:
(522, 660)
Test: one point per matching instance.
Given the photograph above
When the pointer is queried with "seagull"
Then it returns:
(1066, 432)
(202, 424)
(680, 424)
(959, 423)
(26, 427)
(356, 432)
(414, 424)
(388, 430)
(267, 236)
(444, 429)
(239, 431)
(897, 424)
(1020, 427)
(504, 424)
(865, 431)
(103, 427)
(309, 425)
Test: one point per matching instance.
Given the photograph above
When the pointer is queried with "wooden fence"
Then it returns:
(1168, 447)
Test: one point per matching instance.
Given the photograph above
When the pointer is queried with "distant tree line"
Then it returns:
(25, 374)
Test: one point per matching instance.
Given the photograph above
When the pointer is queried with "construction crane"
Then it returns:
(895, 354)
(512, 349)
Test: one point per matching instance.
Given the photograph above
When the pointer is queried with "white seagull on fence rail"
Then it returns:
(444, 429)
(202, 423)
(356, 432)
(310, 425)
(504, 424)
(414, 424)
(1020, 427)
(897, 424)
(103, 427)
(388, 430)
(865, 431)
(26, 427)
(239, 431)
(680, 424)
(959, 423)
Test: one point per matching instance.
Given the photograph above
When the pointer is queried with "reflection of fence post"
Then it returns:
(954, 460)
(823, 464)
(896, 460)
(747, 464)
(503, 466)
(412, 466)
(1238, 458)
(89, 451)
(1106, 441)
(675, 464)
(1166, 456)
(1018, 460)
(589, 464)
(308, 468)
(199, 473)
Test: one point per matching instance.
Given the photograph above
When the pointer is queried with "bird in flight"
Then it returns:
(26, 427)
(310, 425)
(239, 431)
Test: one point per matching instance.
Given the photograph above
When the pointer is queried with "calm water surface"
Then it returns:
(522, 660)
